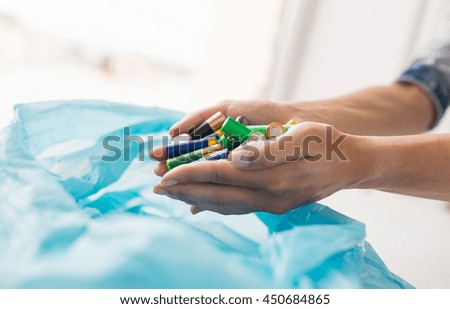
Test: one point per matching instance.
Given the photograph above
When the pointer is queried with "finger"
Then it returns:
(218, 172)
(257, 112)
(222, 199)
(161, 169)
(285, 148)
(159, 153)
(197, 118)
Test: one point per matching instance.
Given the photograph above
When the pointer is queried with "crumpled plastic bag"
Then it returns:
(69, 219)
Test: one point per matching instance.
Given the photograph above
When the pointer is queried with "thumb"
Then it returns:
(266, 154)
(302, 140)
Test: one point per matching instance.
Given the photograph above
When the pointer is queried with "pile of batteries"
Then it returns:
(216, 137)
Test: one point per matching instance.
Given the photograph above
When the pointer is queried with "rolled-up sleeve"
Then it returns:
(431, 70)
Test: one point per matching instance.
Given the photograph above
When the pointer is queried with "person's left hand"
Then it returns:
(307, 163)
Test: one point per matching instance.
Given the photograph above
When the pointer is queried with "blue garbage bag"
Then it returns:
(73, 214)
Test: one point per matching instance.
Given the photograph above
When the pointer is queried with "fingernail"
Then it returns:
(160, 191)
(174, 126)
(169, 182)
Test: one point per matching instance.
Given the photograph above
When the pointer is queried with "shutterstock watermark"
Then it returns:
(126, 146)
(310, 147)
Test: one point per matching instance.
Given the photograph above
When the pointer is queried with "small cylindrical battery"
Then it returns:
(208, 127)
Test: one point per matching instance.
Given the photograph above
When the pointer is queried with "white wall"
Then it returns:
(176, 54)
(350, 44)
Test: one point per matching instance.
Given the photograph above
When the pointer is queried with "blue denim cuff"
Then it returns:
(431, 81)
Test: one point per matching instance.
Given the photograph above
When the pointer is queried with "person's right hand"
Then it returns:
(257, 112)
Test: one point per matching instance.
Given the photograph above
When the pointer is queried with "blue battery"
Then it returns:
(175, 150)
(218, 155)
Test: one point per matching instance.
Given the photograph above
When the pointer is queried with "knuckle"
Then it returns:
(310, 128)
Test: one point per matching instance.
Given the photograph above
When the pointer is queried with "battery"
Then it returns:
(256, 136)
(274, 130)
(217, 155)
(177, 149)
(208, 127)
(243, 120)
(291, 122)
(263, 128)
(191, 157)
(235, 130)
(228, 143)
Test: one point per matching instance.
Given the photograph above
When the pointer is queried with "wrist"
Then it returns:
(365, 168)
(380, 159)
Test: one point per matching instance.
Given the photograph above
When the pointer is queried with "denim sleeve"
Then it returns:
(433, 82)
(431, 70)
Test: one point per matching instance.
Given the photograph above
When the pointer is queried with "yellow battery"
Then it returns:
(274, 130)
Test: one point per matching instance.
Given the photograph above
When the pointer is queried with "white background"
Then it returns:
(342, 299)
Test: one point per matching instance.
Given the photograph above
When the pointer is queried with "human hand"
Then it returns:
(257, 112)
(307, 163)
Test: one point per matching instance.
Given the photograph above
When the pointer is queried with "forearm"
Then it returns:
(411, 165)
(398, 109)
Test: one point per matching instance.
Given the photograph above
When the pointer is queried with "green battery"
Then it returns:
(191, 156)
(228, 143)
(256, 136)
(263, 128)
(235, 130)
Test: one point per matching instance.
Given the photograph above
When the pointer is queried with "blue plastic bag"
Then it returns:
(71, 219)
